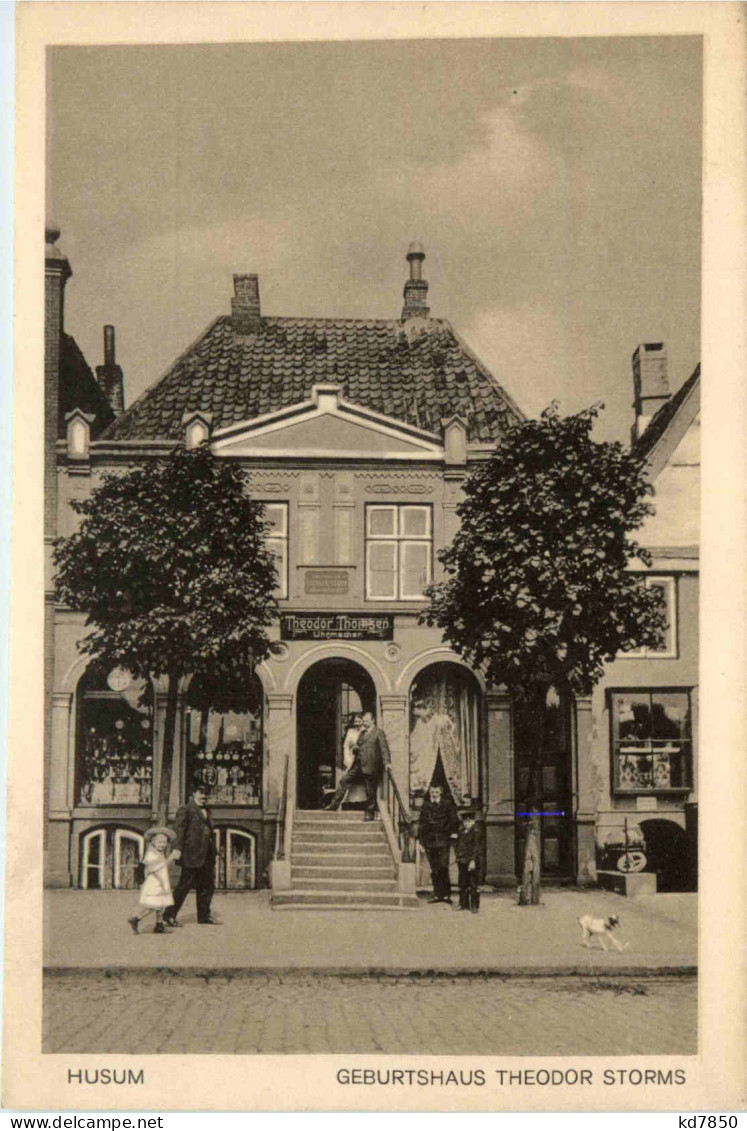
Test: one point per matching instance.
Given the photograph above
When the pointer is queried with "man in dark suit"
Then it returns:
(194, 839)
(439, 822)
(371, 755)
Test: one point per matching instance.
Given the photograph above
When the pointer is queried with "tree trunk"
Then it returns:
(169, 742)
(530, 891)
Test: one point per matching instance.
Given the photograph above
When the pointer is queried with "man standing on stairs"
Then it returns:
(439, 823)
(371, 756)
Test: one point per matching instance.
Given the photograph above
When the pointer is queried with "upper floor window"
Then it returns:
(399, 548)
(667, 648)
(651, 740)
(276, 514)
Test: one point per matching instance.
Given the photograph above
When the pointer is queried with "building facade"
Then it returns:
(645, 711)
(357, 435)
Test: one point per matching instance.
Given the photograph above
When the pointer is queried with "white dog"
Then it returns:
(601, 929)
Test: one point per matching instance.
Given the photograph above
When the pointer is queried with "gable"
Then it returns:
(327, 427)
(677, 496)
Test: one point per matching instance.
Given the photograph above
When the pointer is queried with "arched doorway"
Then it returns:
(329, 692)
(445, 733)
(668, 854)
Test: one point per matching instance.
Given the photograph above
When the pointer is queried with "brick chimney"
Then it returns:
(650, 384)
(109, 375)
(245, 311)
(416, 288)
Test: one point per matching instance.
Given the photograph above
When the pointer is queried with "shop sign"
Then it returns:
(336, 626)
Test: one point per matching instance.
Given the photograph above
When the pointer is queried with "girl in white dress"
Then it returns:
(155, 894)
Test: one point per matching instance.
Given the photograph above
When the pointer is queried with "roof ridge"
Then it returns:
(333, 318)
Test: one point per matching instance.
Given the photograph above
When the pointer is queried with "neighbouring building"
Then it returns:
(357, 435)
(75, 404)
(645, 712)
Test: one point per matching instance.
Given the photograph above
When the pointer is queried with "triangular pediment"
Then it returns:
(327, 427)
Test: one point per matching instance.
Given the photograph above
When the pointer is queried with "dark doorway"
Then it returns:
(668, 854)
(556, 792)
(328, 694)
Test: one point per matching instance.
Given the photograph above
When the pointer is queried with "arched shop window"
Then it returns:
(445, 733)
(224, 748)
(114, 757)
(235, 861)
(108, 857)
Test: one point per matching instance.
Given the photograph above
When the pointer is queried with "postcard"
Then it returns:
(377, 743)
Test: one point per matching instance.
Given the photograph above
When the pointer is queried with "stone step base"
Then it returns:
(347, 900)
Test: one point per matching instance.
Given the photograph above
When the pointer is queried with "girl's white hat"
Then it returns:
(154, 830)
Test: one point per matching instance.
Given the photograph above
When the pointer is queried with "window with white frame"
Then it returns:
(276, 514)
(399, 548)
(667, 648)
(651, 740)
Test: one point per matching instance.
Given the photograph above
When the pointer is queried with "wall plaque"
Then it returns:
(336, 626)
(326, 581)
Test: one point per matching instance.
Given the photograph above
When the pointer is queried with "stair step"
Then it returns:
(344, 899)
(338, 852)
(329, 814)
(332, 821)
(335, 883)
(344, 871)
(339, 836)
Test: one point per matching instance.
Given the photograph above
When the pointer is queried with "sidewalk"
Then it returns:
(87, 930)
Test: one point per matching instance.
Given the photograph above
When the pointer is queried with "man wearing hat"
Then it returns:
(194, 839)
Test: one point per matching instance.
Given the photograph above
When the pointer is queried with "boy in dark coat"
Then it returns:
(469, 863)
(438, 823)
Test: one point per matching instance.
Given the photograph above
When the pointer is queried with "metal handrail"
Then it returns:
(282, 810)
(400, 817)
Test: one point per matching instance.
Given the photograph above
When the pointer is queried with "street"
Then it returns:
(302, 1013)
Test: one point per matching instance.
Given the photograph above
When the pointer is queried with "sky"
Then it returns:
(554, 183)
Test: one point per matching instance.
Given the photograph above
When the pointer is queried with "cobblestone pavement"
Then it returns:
(165, 1013)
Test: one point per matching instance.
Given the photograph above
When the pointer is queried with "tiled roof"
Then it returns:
(666, 414)
(80, 389)
(417, 372)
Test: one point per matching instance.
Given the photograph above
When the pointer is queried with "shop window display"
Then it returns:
(114, 764)
(224, 750)
(651, 740)
(445, 733)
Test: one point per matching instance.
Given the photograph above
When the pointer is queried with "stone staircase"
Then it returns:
(341, 862)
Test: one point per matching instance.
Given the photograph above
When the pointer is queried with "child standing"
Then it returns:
(468, 858)
(155, 894)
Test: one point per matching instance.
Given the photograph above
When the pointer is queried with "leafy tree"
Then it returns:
(171, 565)
(539, 593)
